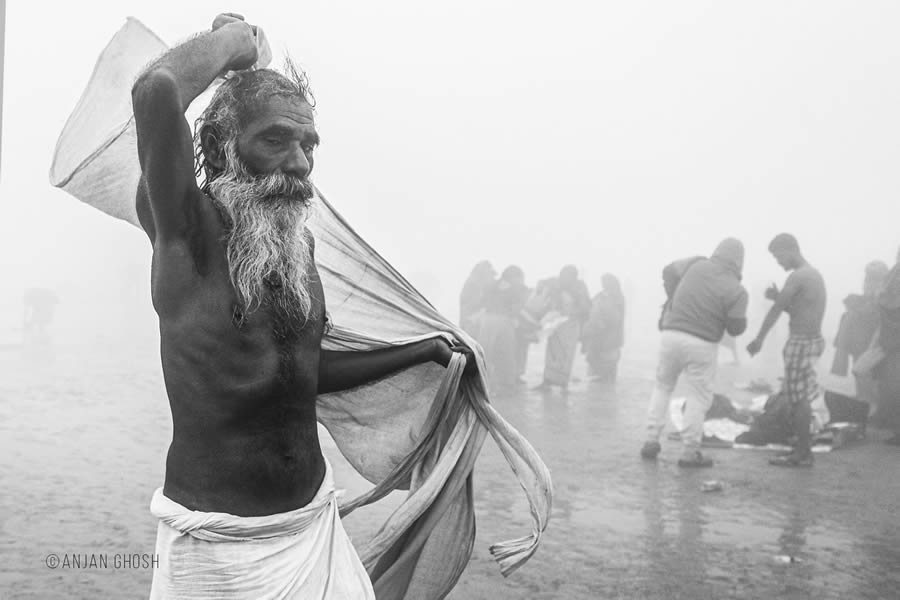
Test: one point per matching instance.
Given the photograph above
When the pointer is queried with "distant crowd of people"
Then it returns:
(506, 316)
(706, 306)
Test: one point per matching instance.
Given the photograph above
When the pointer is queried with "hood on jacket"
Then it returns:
(730, 253)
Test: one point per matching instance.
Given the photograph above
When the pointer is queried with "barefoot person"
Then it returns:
(248, 508)
(803, 298)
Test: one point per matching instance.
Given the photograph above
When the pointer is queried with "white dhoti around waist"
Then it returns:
(304, 553)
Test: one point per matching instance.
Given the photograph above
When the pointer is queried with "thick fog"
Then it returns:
(616, 136)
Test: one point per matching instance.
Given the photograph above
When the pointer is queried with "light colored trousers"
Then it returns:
(682, 353)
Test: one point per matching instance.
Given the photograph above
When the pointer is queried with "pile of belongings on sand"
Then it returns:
(764, 422)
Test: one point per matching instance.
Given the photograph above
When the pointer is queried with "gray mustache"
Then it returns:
(279, 184)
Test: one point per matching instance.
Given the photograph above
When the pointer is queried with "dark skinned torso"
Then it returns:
(242, 387)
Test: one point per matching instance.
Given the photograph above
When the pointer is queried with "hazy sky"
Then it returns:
(613, 135)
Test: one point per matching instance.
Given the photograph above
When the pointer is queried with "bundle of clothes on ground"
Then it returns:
(766, 423)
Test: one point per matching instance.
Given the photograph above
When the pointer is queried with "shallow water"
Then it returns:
(85, 431)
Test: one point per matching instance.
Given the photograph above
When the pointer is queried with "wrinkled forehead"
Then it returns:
(290, 110)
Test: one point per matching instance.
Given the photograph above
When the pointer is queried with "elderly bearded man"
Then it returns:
(248, 508)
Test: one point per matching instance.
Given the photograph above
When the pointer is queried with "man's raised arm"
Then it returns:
(160, 97)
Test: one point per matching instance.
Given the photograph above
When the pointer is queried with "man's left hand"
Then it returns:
(444, 350)
(754, 347)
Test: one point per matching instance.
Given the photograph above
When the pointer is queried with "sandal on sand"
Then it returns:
(695, 460)
(792, 460)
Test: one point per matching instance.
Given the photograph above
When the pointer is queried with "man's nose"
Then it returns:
(296, 163)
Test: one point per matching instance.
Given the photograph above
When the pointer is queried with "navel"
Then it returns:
(237, 317)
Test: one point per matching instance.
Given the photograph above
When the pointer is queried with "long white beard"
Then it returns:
(268, 245)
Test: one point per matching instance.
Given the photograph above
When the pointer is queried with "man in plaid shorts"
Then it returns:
(803, 298)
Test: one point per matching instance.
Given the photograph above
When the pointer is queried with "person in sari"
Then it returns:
(860, 320)
(471, 299)
(858, 327)
(570, 298)
(604, 332)
(887, 373)
(528, 324)
(498, 328)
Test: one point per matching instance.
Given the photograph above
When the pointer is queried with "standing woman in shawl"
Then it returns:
(497, 331)
(860, 321)
(888, 371)
(604, 333)
(572, 301)
(471, 299)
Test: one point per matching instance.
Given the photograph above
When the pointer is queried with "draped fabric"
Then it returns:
(304, 553)
(420, 429)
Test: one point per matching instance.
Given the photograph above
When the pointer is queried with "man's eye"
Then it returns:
(309, 148)
(273, 141)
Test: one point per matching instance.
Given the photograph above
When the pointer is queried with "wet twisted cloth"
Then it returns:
(419, 430)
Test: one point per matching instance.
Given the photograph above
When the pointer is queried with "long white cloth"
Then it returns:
(420, 429)
(303, 554)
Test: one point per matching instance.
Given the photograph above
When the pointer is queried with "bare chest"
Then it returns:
(215, 345)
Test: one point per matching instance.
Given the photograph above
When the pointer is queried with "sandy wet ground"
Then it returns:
(84, 436)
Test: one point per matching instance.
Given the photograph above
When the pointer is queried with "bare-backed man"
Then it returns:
(241, 316)
(803, 298)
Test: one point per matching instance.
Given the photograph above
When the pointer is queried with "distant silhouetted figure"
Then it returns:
(887, 369)
(860, 320)
(705, 300)
(40, 305)
(497, 331)
(471, 299)
(604, 333)
(569, 296)
(803, 298)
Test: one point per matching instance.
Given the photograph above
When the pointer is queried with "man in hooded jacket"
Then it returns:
(706, 299)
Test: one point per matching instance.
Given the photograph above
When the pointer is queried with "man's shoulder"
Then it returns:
(807, 274)
(799, 274)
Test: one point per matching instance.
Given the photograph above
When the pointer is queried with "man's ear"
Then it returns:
(213, 147)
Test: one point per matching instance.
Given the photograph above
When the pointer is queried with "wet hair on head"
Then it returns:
(234, 102)
(783, 241)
